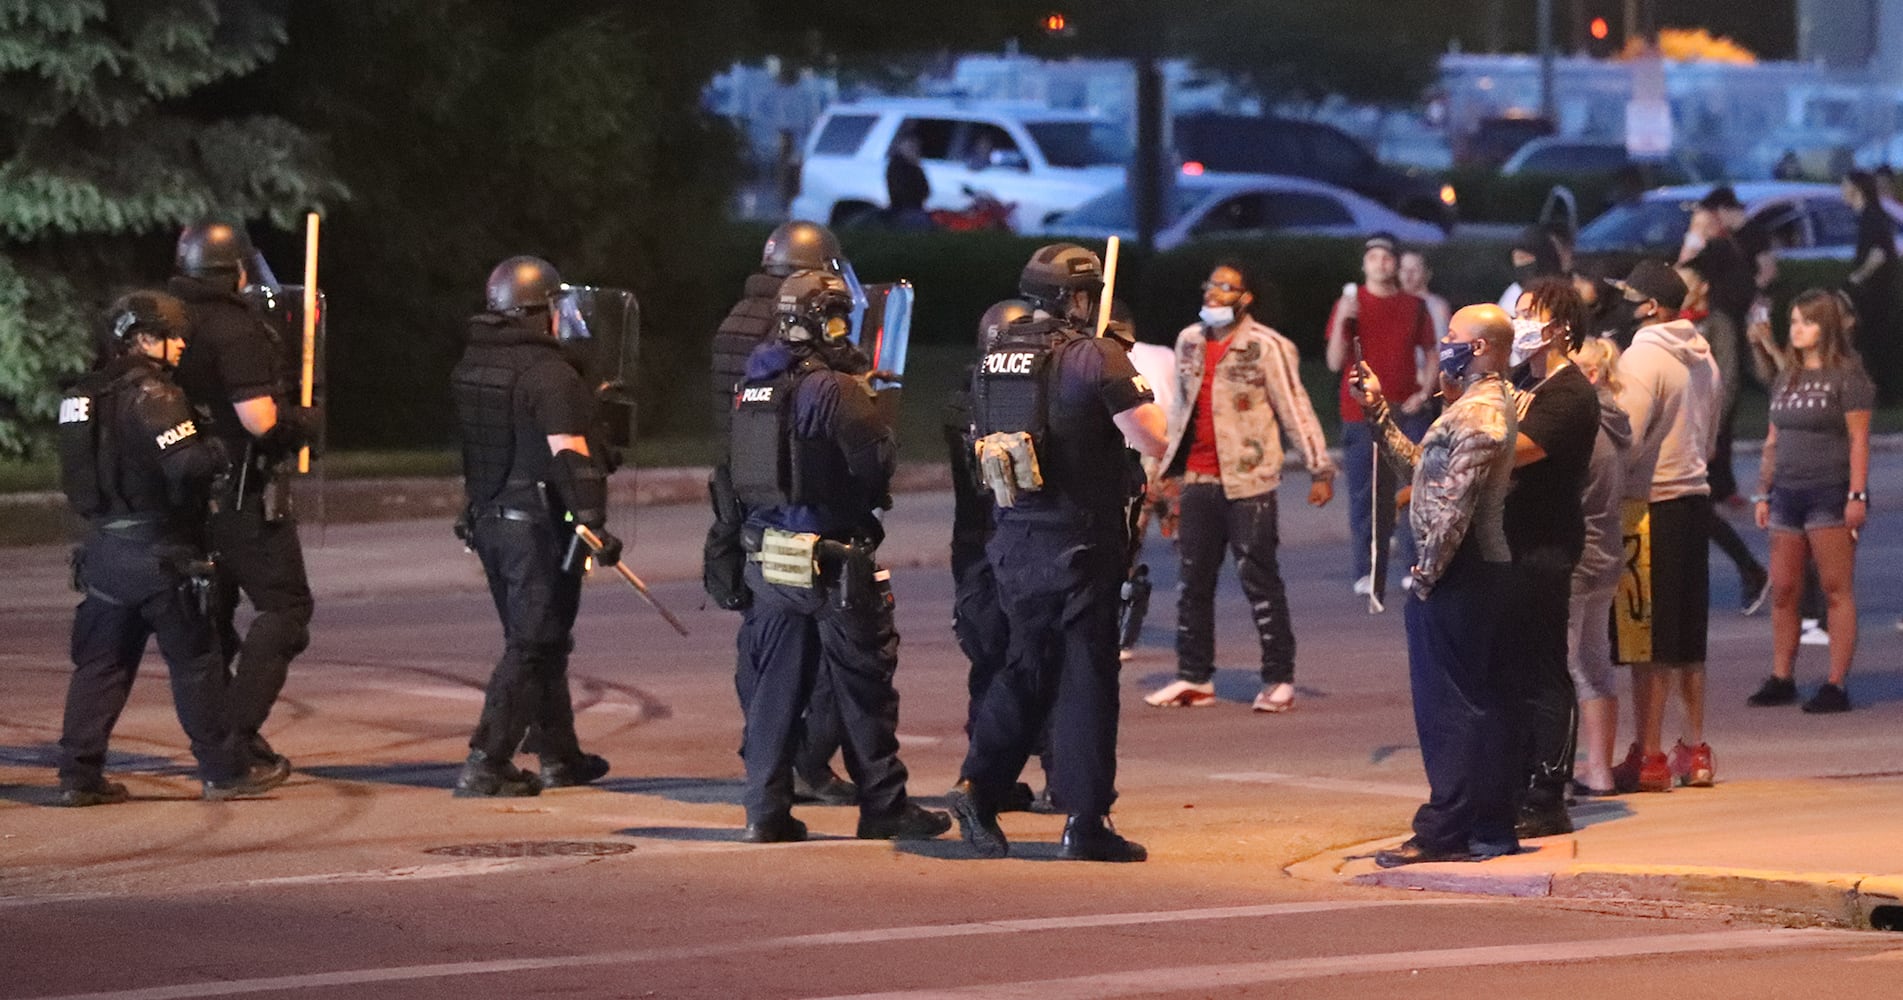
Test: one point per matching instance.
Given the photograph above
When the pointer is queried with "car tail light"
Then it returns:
(1192, 168)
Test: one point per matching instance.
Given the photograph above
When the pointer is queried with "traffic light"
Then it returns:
(1057, 25)
(1600, 44)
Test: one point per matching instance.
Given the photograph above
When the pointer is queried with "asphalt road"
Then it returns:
(364, 878)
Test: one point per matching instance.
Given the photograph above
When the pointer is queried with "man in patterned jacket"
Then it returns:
(1240, 388)
(1461, 471)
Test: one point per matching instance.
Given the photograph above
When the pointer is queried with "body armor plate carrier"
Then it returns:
(772, 466)
(1011, 406)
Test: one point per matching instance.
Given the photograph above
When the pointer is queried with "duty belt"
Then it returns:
(509, 514)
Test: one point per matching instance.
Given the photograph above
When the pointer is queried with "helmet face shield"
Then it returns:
(843, 268)
(600, 334)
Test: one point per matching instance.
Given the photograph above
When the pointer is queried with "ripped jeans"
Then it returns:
(1212, 523)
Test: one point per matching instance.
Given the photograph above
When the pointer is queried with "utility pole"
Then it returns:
(1549, 107)
(1632, 29)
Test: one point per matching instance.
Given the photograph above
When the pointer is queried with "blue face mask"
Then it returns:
(1455, 358)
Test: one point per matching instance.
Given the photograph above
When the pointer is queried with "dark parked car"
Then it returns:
(1243, 144)
(1495, 139)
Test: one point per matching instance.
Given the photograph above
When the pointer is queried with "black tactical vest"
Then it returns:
(501, 464)
(1010, 393)
(102, 473)
(747, 324)
(772, 465)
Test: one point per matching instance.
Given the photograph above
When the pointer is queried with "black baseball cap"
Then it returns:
(1722, 196)
(1658, 281)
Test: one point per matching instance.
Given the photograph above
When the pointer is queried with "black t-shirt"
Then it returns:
(232, 356)
(906, 185)
(1754, 239)
(1084, 459)
(1875, 231)
(1732, 273)
(1543, 510)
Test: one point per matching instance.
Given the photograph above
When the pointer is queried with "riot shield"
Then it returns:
(884, 338)
(600, 333)
(282, 309)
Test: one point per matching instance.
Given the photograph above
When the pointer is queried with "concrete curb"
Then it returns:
(1837, 899)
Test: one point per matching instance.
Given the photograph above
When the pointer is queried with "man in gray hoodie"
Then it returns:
(1671, 389)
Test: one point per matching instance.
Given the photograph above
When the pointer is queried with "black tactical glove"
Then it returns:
(581, 487)
(610, 551)
(723, 557)
(297, 427)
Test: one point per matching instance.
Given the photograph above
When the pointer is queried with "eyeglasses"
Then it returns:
(1224, 287)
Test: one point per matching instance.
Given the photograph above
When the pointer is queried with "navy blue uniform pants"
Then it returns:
(132, 596)
(1211, 523)
(264, 561)
(817, 735)
(1458, 706)
(796, 635)
(1530, 658)
(537, 602)
(1058, 576)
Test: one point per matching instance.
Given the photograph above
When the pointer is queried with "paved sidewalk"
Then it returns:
(1823, 850)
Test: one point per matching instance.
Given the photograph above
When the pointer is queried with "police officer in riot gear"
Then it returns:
(524, 415)
(1052, 406)
(794, 246)
(135, 465)
(238, 377)
(812, 464)
(977, 619)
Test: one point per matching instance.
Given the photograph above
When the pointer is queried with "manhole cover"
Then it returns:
(533, 849)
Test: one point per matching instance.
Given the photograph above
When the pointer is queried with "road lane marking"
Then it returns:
(925, 932)
(1184, 979)
(1383, 788)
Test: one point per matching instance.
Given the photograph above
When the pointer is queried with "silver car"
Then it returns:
(1804, 221)
(1241, 205)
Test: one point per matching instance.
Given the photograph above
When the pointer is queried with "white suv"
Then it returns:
(1045, 161)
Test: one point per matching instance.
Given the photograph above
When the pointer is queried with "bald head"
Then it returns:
(1491, 330)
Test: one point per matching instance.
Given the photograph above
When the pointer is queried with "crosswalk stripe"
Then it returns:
(445, 970)
(1179, 980)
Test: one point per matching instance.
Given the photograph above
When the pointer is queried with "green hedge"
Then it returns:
(957, 276)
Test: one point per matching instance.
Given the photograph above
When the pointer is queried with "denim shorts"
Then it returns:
(1802, 508)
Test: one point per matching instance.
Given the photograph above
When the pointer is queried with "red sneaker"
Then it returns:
(1691, 766)
(1641, 772)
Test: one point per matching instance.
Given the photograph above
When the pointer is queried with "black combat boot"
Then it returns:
(261, 778)
(483, 777)
(829, 790)
(780, 829)
(909, 823)
(1091, 838)
(977, 821)
(567, 773)
(98, 792)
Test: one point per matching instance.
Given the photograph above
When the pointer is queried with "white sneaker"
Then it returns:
(1182, 694)
(1364, 586)
(1813, 634)
(1275, 698)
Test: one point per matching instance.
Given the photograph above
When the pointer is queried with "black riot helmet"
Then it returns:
(801, 246)
(212, 248)
(520, 284)
(1056, 271)
(998, 317)
(814, 306)
(154, 314)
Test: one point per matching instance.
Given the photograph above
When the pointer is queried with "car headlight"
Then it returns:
(1447, 195)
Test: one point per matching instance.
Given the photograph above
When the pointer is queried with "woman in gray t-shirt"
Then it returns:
(1813, 491)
